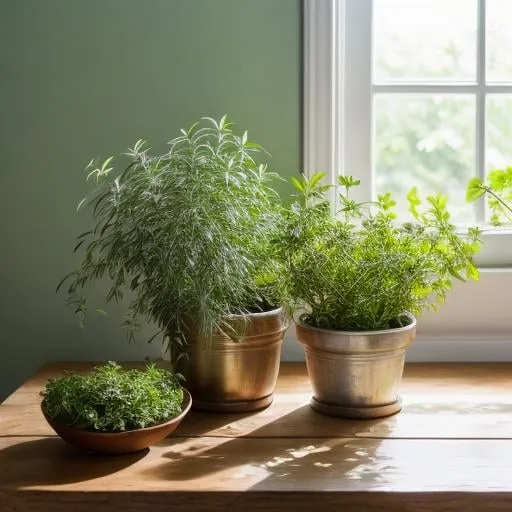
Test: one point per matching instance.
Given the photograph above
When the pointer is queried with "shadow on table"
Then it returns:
(295, 444)
(301, 445)
(279, 420)
(51, 461)
(198, 423)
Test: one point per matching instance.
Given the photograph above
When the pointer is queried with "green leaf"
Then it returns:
(94, 172)
(472, 272)
(414, 202)
(348, 181)
(316, 178)
(79, 244)
(106, 163)
(214, 122)
(500, 179)
(474, 190)
(64, 279)
(137, 148)
(91, 164)
(158, 333)
(299, 185)
(84, 234)
(386, 201)
(81, 203)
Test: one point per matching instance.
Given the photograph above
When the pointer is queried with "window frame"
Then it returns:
(475, 322)
(332, 29)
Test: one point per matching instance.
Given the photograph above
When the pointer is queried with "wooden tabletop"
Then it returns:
(450, 449)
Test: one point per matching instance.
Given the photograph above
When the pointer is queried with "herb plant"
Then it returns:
(113, 399)
(361, 269)
(499, 190)
(188, 233)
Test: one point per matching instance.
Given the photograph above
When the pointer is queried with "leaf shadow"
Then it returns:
(197, 423)
(275, 454)
(54, 462)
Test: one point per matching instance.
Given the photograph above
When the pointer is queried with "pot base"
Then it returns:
(361, 413)
(245, 406)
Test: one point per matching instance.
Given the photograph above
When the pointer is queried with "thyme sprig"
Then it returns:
(113, 399)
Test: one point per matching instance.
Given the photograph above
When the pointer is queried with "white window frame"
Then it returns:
(338, 92)
(330, 105)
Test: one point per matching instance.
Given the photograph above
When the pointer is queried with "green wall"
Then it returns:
(85, 78)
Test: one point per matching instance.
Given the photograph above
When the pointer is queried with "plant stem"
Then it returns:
(498, 198)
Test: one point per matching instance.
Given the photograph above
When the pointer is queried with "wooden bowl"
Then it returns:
(120, 442)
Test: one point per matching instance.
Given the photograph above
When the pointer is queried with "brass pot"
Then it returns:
(356, 374)
(235, 371)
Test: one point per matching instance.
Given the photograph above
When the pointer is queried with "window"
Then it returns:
(412, 92)
(405, 92)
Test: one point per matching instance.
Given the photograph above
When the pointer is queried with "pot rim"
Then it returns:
(186, 405)
(270, 312)
(297, 319)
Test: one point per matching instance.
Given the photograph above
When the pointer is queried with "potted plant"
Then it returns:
(361, 278)
(115, 410)
(499, 190)
(188, 234)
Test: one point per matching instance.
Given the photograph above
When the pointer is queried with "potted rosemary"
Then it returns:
(188, 234)
(360, 279)
(115, 410)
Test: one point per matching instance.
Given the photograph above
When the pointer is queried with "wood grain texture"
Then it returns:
(140, 501)
(450, 449)
(470, 401)
(249, 464)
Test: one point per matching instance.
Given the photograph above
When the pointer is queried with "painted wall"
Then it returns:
(88, 78)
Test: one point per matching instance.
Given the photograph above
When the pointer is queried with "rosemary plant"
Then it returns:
(112, 399)
(361, 269)
(188, 233)
(499, 190)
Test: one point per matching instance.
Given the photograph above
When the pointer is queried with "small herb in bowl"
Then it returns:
(113, 399)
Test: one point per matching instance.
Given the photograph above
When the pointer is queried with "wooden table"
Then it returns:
(449, 449)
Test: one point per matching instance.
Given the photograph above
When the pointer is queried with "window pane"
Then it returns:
(499, 131)
(425, 39)
(428, 142)
(499, 40)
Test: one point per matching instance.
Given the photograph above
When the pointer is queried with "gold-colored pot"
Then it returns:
(356, 374)
(235, 372)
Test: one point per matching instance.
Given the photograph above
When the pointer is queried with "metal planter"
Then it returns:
(235, 373)
(356, 374)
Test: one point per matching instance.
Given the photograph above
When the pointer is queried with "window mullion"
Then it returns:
(419, 88)
(445, 88)
(481, 106)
